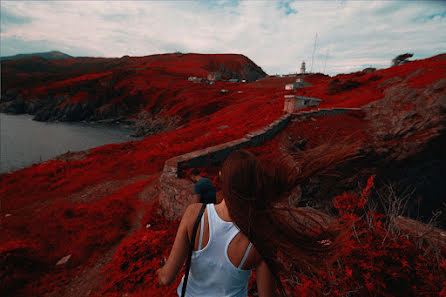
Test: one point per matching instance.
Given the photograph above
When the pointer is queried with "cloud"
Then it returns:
(8, 18)
(277, 36)
(285, 6)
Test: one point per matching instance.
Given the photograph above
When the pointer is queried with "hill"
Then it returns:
(96, 205)
(142, 91)
(45, 55)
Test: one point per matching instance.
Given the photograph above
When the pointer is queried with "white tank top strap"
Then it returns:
(201, 232)
(245, 256)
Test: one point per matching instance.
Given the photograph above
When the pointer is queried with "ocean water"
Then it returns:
(24, 142)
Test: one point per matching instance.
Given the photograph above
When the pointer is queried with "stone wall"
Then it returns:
(176, 193)
(325, 112)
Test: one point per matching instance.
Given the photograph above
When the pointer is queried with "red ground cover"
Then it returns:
(374, 262)
(82, 230)
(45, 226)
(133, 268)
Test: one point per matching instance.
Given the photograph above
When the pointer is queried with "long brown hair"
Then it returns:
(289, 239)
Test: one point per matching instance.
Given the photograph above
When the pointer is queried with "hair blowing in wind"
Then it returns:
(289, 239)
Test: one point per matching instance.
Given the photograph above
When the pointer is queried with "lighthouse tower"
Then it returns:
(302, 68)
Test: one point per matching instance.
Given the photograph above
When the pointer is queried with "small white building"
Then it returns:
(294, 102)
(300, 83)
(291, 86)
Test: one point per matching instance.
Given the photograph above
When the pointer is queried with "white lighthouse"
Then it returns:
(302, 68)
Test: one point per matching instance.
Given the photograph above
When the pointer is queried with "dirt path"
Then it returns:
(91, 279)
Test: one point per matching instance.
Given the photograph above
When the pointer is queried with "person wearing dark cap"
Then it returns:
(205, 190)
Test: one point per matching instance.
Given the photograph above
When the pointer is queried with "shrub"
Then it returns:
(336, 86)
(401, 59)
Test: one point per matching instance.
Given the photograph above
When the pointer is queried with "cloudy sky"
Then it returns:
(276, 35)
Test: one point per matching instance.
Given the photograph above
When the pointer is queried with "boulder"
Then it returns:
(175, 193)
(405, 120)
(64, 260)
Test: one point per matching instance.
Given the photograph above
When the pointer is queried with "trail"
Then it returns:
(90, 279)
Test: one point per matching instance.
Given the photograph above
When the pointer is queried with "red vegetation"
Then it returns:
(83, 231)
(133, 268)
(65, 206)
(376, 261)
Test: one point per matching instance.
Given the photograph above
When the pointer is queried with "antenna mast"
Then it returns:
(326, 57)
(314, 50)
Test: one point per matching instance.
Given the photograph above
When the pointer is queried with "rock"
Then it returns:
(369, 70)
(15, 106)
(439, 84)
(294, 198)
(148, 124)
(8, 215)
(175, 194)
(391, 80)
(64, 260)
(443, 102)
(43, 115)
(422, 233)
(405, 120)
(32, 106)
(223, 127)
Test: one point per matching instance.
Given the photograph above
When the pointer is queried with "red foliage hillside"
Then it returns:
(135, 89)
(85, 203)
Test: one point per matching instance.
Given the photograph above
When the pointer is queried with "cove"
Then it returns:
(24, 142)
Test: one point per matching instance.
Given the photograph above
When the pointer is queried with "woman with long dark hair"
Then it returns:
(249, 230)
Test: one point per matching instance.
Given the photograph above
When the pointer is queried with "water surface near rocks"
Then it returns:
(24, 142)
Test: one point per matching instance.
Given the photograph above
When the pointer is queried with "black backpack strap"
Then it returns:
(191, 248)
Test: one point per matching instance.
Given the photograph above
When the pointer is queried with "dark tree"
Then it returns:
(401, 59)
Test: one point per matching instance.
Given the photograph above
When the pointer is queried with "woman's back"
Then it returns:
(222, 259)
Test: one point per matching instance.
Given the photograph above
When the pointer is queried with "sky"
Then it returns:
(276, 35)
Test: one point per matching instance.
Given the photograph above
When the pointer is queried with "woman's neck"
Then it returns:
(222, 211)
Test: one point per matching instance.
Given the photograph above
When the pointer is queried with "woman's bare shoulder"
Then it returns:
(192, 210)
(190, 215)
(254, 255)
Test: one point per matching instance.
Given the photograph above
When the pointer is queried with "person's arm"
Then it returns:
(180, 248)
(264, 280)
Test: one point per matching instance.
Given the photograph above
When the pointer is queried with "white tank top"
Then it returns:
(211, 271)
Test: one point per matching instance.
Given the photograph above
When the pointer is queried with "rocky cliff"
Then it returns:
(135, 90)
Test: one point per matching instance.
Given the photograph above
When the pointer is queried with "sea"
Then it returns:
(24, 142)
